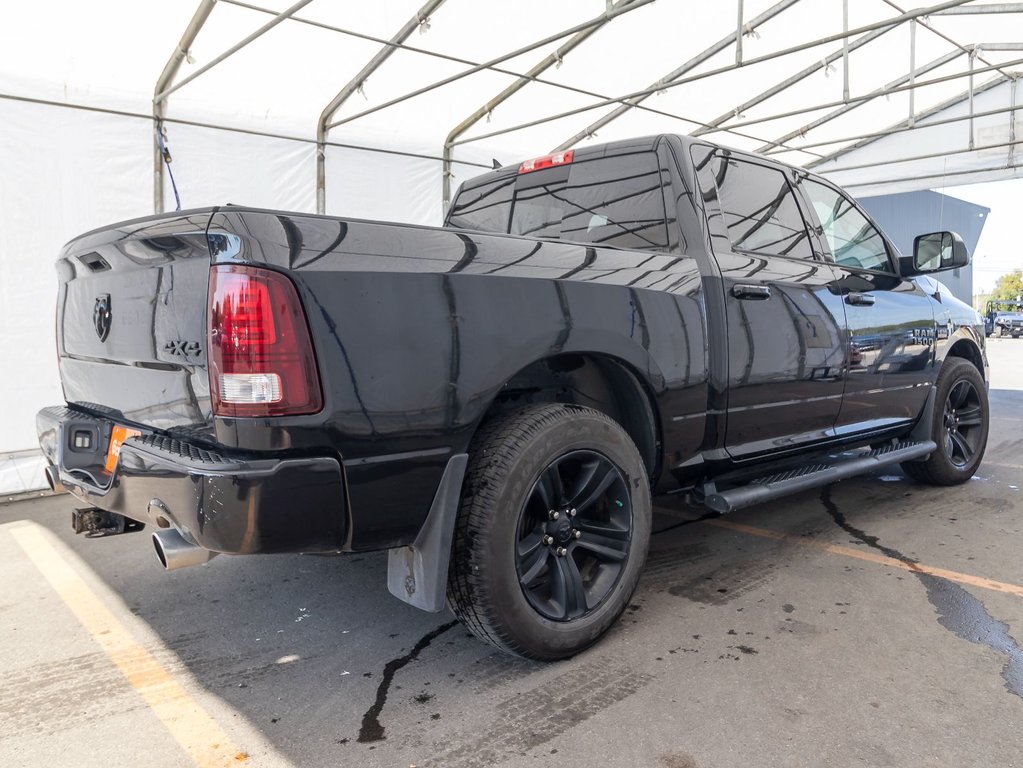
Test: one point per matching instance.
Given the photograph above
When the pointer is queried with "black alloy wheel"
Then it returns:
(959, 426)
(963, 420)
(552, 531)
(574, 535)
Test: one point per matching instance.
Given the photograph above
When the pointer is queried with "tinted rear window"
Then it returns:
(609, 201)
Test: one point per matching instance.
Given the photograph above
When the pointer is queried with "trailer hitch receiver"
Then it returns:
(95, 522)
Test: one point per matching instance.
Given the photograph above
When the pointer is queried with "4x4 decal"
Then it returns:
(183, 348)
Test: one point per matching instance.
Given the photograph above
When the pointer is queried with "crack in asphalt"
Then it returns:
(673, 526)
(371, 729)
(958, 611)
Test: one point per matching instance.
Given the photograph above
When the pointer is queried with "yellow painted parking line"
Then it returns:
(872, 557)
(190, 725)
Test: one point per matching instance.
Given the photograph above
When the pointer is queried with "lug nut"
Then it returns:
(555, 514)
(577, 533)
(561, 551)
(547, 540)
(572, 512)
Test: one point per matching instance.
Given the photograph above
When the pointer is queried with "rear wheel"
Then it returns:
(552, 532)
(959, 426)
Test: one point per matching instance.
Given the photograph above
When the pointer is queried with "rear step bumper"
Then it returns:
(221, 502)
(804, 478)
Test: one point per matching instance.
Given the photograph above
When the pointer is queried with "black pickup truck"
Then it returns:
(495, 401)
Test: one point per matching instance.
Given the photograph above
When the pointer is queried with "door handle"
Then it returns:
(859, 299)
(755, 292)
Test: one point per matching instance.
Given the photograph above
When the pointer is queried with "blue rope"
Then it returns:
(167, 161)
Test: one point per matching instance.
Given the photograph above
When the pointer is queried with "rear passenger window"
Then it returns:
(853, 240)
(760, 210)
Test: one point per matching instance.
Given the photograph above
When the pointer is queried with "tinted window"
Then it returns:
(760, 209)
(609, 201)
(485, 206)
(853, 239)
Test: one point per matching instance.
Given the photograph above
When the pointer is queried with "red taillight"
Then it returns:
(547, 161)
(261, 360)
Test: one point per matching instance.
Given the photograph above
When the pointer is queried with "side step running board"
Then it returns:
(803, 478)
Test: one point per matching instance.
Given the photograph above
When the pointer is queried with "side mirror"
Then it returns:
(935, 252)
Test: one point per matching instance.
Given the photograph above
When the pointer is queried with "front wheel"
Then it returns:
(959, 426)
(552, 532)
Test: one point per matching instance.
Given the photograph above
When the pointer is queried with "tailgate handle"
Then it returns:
(859, 299)
(756, 292)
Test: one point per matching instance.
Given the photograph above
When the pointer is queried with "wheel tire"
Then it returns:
(959, 452)
(510, 460)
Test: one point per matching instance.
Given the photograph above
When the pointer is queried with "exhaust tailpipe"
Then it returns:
(176, 552)
(53, 478)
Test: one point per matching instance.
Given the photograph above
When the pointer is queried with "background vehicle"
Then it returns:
(504, 394)
(1004, 318)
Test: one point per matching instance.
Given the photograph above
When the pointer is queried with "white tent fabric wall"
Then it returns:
(64, 172)
(213, 167)
(374, 185)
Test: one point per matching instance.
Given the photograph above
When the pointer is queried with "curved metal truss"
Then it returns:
(794, 144)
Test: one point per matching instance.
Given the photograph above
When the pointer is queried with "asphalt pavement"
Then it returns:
(875, 622)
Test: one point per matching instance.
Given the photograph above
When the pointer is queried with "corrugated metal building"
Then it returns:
(905, 215)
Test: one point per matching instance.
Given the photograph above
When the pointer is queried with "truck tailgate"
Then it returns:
(131, 321)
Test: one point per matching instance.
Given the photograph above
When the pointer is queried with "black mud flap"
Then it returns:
(419, 574)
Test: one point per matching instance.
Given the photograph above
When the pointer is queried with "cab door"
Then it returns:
(889, 320)
(786, 346)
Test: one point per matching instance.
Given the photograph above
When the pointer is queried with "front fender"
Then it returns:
(967, 341)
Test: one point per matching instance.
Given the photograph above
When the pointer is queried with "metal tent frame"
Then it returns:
(734, 121)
